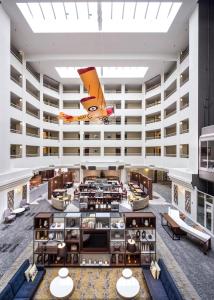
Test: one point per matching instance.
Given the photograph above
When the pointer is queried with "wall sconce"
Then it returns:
(146, 169)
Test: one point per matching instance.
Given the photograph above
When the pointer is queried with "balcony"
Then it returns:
(170, 131)
(184, 54)
(184, 101)
(71, 151)
(170, 71)
(111, 151)
(170, 151)
(153, 83)
(153, 134)
(33, 72)
(170, 110)
(71, 135)
(50, 151)
(50, 83)
(112, 88)
(50, 135)
(15, 151)
(15, 126)
(153, 101)
(133, 151)
(153, 151)
(115, 103)
(153, 118)
(170, 89)
(31, 89)
(32, 151)
(131, 135)
(184, 126)
(91, 136)
(51, 101)
(115, 120)
(132, 120)
(112, 135)
(15, 101)
(69, 104)
(133, 88)
(133, 105)
(32, 131)
(92, 151)
(15, 76)
(184, 150)
(71, 88)
(32, 110)
(16, 53)
(50, 118)
(184, 77)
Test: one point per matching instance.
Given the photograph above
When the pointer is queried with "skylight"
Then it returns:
(47, 17)
(105, 72)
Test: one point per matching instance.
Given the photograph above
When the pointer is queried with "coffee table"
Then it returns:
(127, 286)
(18, 211)
(62, 285)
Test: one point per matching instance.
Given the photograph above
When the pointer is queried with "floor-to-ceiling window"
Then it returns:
(205, 212)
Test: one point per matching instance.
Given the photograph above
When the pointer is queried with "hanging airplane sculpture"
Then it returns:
(94, 104)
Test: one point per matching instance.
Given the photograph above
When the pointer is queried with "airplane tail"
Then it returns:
(65, 118)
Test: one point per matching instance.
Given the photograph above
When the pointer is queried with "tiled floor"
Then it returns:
(193, 270)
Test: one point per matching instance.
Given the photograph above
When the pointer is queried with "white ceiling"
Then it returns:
(49, 50)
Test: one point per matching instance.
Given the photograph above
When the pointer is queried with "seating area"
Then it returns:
(18, 288)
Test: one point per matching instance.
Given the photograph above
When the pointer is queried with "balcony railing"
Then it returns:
(133, 154)
(72, 138)
(92, 139)
(170, 134)
(32, 114)
(133, 123)
(133, 138)
(34, 94)
(33, 134)
(184, 131)
(51, 138)
(153, 154)
(148, 105)
(167, 95)
(16, 80)
(32, 154)
(16, 106)
(19, 131)
(51, 104)
(51, 121)
(184, 155)
(153, 137)
(111, 154)
(153, 121)
(184, 54)
(170, 114)
(15, 155)
(170, 154)
(71, 154)
(50, 154)
(184, 106)
(92, 154)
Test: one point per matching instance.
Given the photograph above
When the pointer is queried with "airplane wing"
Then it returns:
(92, 84)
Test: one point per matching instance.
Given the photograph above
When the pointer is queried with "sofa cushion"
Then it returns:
(168, 282)
(7, 293)
(19, 278)
(29, 288)
(155, 287)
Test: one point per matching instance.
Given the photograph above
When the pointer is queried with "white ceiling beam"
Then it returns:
(72, 57)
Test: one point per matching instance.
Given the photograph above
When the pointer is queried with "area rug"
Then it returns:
(92, 284)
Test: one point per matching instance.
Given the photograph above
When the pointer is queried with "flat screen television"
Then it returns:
(95, 241)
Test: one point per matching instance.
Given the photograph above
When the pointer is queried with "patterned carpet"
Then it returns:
(92, 283)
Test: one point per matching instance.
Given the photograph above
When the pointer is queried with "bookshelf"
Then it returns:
(94, 239)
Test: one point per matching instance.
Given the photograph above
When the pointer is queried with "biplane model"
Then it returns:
(94, 104)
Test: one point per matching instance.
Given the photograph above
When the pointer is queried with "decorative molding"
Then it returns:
(188, 202)
(175, 194)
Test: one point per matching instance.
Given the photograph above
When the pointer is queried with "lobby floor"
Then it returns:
(192, 270)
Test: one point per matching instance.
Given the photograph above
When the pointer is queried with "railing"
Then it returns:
(132, 123)
(33, 94)
(184, 54)
(184, 155)
(50, 83)
(169, 114)
(16, 54)
(112, 138)
(183, 81)
(51, 121)
(133, 138)
(71, 91)
(33, 72)
(51, 104)
(51, 138)
(112, 91)
(33, 134)
(71, 154)
(184, 106)
(153, 137)
(137, 107)
(17, 81)
(133, 154)
(152, 154)
(15, 106)
(153, 104)
(15, 155)
(152, 121)
(71, 107)
(170, 93)
(32, 114)
(72, 138)
(92, 154)
(91, 139)
(111, 154)
(133, 91)
(19, 131)
(184, 131)
(72, 123)
(152, 87)
(170, 134)
(32, 154)
(153, 83)
(50, 154)
(170, 154)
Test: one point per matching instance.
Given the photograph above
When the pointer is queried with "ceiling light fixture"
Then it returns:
(44, 17)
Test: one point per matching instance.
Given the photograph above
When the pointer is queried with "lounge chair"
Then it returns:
(8, 216)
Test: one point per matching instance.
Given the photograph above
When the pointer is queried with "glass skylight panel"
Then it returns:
(100, 16)
(105, 72)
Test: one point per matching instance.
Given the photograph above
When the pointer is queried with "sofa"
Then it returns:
(18, 288)
(140, 203)
(163, 288)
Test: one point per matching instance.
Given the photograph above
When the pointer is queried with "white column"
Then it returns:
(4, 90)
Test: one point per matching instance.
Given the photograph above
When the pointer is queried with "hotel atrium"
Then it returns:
(107, 150)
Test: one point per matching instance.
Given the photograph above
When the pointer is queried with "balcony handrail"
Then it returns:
(71, 91)
(133, 154)
(112, 91)
(170, 154)
(92, 154)
(172, 92)
(170, 114)
(32, 154)
(19, 131)
(152, 154)
(153, 87)
(73, 139)
(111, 154)
(15, 155)
(112, 139)
(32, 134)
(72, 107)
(32, 114)
(133, 123)
(92, 139)
(184, 131)
(170, 134)
(133, 91)
(17, 81)
(51, 138)
(71, 154)
(153, 104)
(33, 94)
(50, 154)
(132, 138)
(50, 87)
(139, 107)
(184, 106)
(32, 72)
(16, 106)
(72, 123)
(153, 137)
(184, 54)
(51, 121)
(50, 103)
(183, 81)
(184, 155)
(152, 121)
(19, 58)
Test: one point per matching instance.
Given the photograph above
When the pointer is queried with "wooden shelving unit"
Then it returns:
(94, 239)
